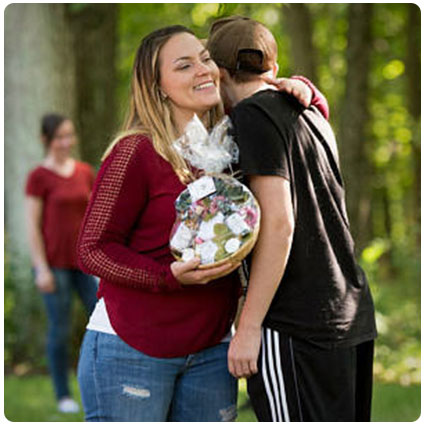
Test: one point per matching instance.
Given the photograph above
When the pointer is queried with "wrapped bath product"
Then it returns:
(217, 217)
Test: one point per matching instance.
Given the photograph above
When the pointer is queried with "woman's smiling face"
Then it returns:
(188, 76)
(64, 139)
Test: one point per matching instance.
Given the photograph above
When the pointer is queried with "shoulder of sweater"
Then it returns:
(130, 147)
(135, 151)
(135, 144)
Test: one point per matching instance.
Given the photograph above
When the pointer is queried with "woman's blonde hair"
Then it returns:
(149, 112)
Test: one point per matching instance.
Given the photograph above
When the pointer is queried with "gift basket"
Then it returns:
(217, 217)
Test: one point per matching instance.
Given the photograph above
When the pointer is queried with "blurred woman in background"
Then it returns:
(57, 194)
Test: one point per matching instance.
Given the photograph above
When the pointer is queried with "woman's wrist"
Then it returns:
(42, 268)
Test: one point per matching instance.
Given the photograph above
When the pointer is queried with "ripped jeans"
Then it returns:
(119, 383)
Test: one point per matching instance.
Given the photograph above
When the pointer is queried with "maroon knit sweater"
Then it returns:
(124, 240)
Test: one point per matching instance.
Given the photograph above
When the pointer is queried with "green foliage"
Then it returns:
(397, 304)
(372, 253)
(10, 328)
(398, 349)
(392, 131)
(329, 38)
(25, 323)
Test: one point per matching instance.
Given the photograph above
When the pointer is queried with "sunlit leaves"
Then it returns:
(393, 69)
(269, 15)
(201, 12)
(372, 253)
(329, 37)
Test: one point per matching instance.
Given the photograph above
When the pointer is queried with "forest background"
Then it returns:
(76, 59)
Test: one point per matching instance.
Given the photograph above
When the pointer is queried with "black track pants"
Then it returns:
(299, 382)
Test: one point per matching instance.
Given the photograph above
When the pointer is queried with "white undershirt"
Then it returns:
(99, 321)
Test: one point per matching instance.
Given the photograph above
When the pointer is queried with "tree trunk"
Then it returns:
(303, 56)
(95, 37)
(354, 120)
(413, 73)
(413, 59)
(38, 79)
(38, 75)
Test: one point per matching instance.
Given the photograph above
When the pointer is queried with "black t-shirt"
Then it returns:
(324, 296)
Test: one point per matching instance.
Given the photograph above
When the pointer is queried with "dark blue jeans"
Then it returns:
(58, 306)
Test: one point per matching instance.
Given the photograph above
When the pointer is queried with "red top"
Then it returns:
(65, 200)
(125, 240)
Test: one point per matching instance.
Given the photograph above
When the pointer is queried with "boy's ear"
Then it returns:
(224, 75)
(275, 69)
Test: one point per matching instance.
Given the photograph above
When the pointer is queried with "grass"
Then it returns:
(393, 402)
(30, 399)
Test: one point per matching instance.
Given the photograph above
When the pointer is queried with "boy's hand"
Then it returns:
(243, 353)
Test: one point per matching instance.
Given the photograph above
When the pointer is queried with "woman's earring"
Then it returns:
(162, 95)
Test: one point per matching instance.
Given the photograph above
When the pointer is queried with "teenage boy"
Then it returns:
(306, 331)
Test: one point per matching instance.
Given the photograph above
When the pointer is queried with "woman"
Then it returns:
(163, 334)
(156, 344)
(57, 194)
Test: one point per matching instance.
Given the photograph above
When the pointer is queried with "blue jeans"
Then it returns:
(58, 306)
(119, 383)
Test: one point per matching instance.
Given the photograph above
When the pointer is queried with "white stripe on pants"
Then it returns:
(272, 367)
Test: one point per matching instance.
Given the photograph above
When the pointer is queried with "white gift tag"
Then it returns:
(206, 229)
(188, 254)
(207, 252)
(182, 238)
(232, 245)
(201, 188)
(237, 224)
